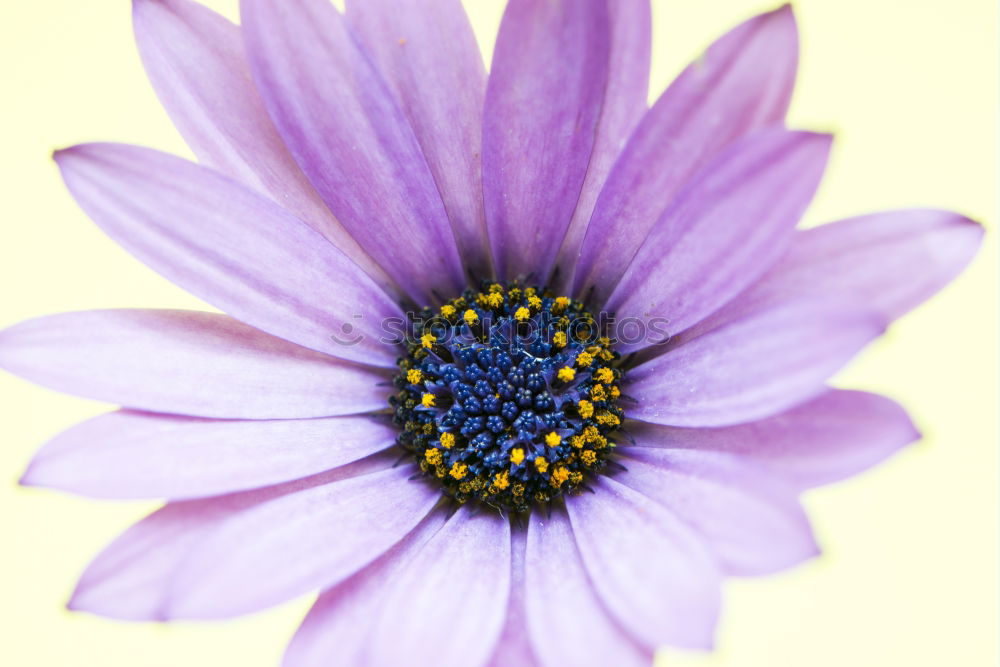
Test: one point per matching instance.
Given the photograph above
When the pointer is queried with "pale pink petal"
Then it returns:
(299, 543)
(749, 517)
(143, 455)
(237, 250)
(195, 60)
(427, 52)
(834, 436)
(651, 571)
(186, 362)
(566, 619)
(338, 627)
(131, 579)
(447, 605)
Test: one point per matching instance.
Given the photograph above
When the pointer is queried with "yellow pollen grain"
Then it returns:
(458, 470)
(516, 456)
(584, 359)
(470, 316)
(597, 392)
(576, 441)
(448, 310)
(589, 457)
(541, 465)
(585, 408)
(559, 476)
(608, 419)
(427, 400)
(414, 376)
(605, 375)
(553, 439)
(501, 480)
(447, 440)
(521, 314)
(433, 456)
(534, 302)
(565, 373)
(559, 339)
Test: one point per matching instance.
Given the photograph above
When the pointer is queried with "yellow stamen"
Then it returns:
(560, 304)
(566, 374)
(604, 375)
(534, 302)
(541, 465)
(615, 392)
(458, 470)
(501, 480)
(585, 408)
(552, 440)
(428, 340)
(427, 400)
(516, 456)
(414, 376)
(470, 317)
(559, 339)
(584, 359)
(608, 418)
(447, 440)
(448, 310)
(433, 456)
(521, 314)
(493, 300)
(589, 457)
(597, 392)
(559, 476)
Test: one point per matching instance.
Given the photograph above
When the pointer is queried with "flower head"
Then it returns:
(503, 356)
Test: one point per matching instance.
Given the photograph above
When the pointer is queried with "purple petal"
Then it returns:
(887, 263)
(447, 605)
(832, 437)
(186, 362)
(340, 121)
(561, 603)
(131, 579)
(748, 516)
(298, 543)
(141, 455)
(338, 627)
(750, 368)
(543, 105)
(743, 82)
(195, 61)
(428, 54)
(651, 572)
(623, 106)
(231, 247)
(725, 229)
(513, 649)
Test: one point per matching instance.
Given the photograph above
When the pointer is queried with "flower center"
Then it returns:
(508, 396)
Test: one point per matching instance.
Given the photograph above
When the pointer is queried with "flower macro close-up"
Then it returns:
(491, 355)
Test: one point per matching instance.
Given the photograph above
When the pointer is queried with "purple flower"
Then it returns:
(418, 402)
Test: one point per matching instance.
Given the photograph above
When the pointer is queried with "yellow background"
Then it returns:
(909, 573)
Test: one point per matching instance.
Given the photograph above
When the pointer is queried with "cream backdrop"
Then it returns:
(909, 570)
